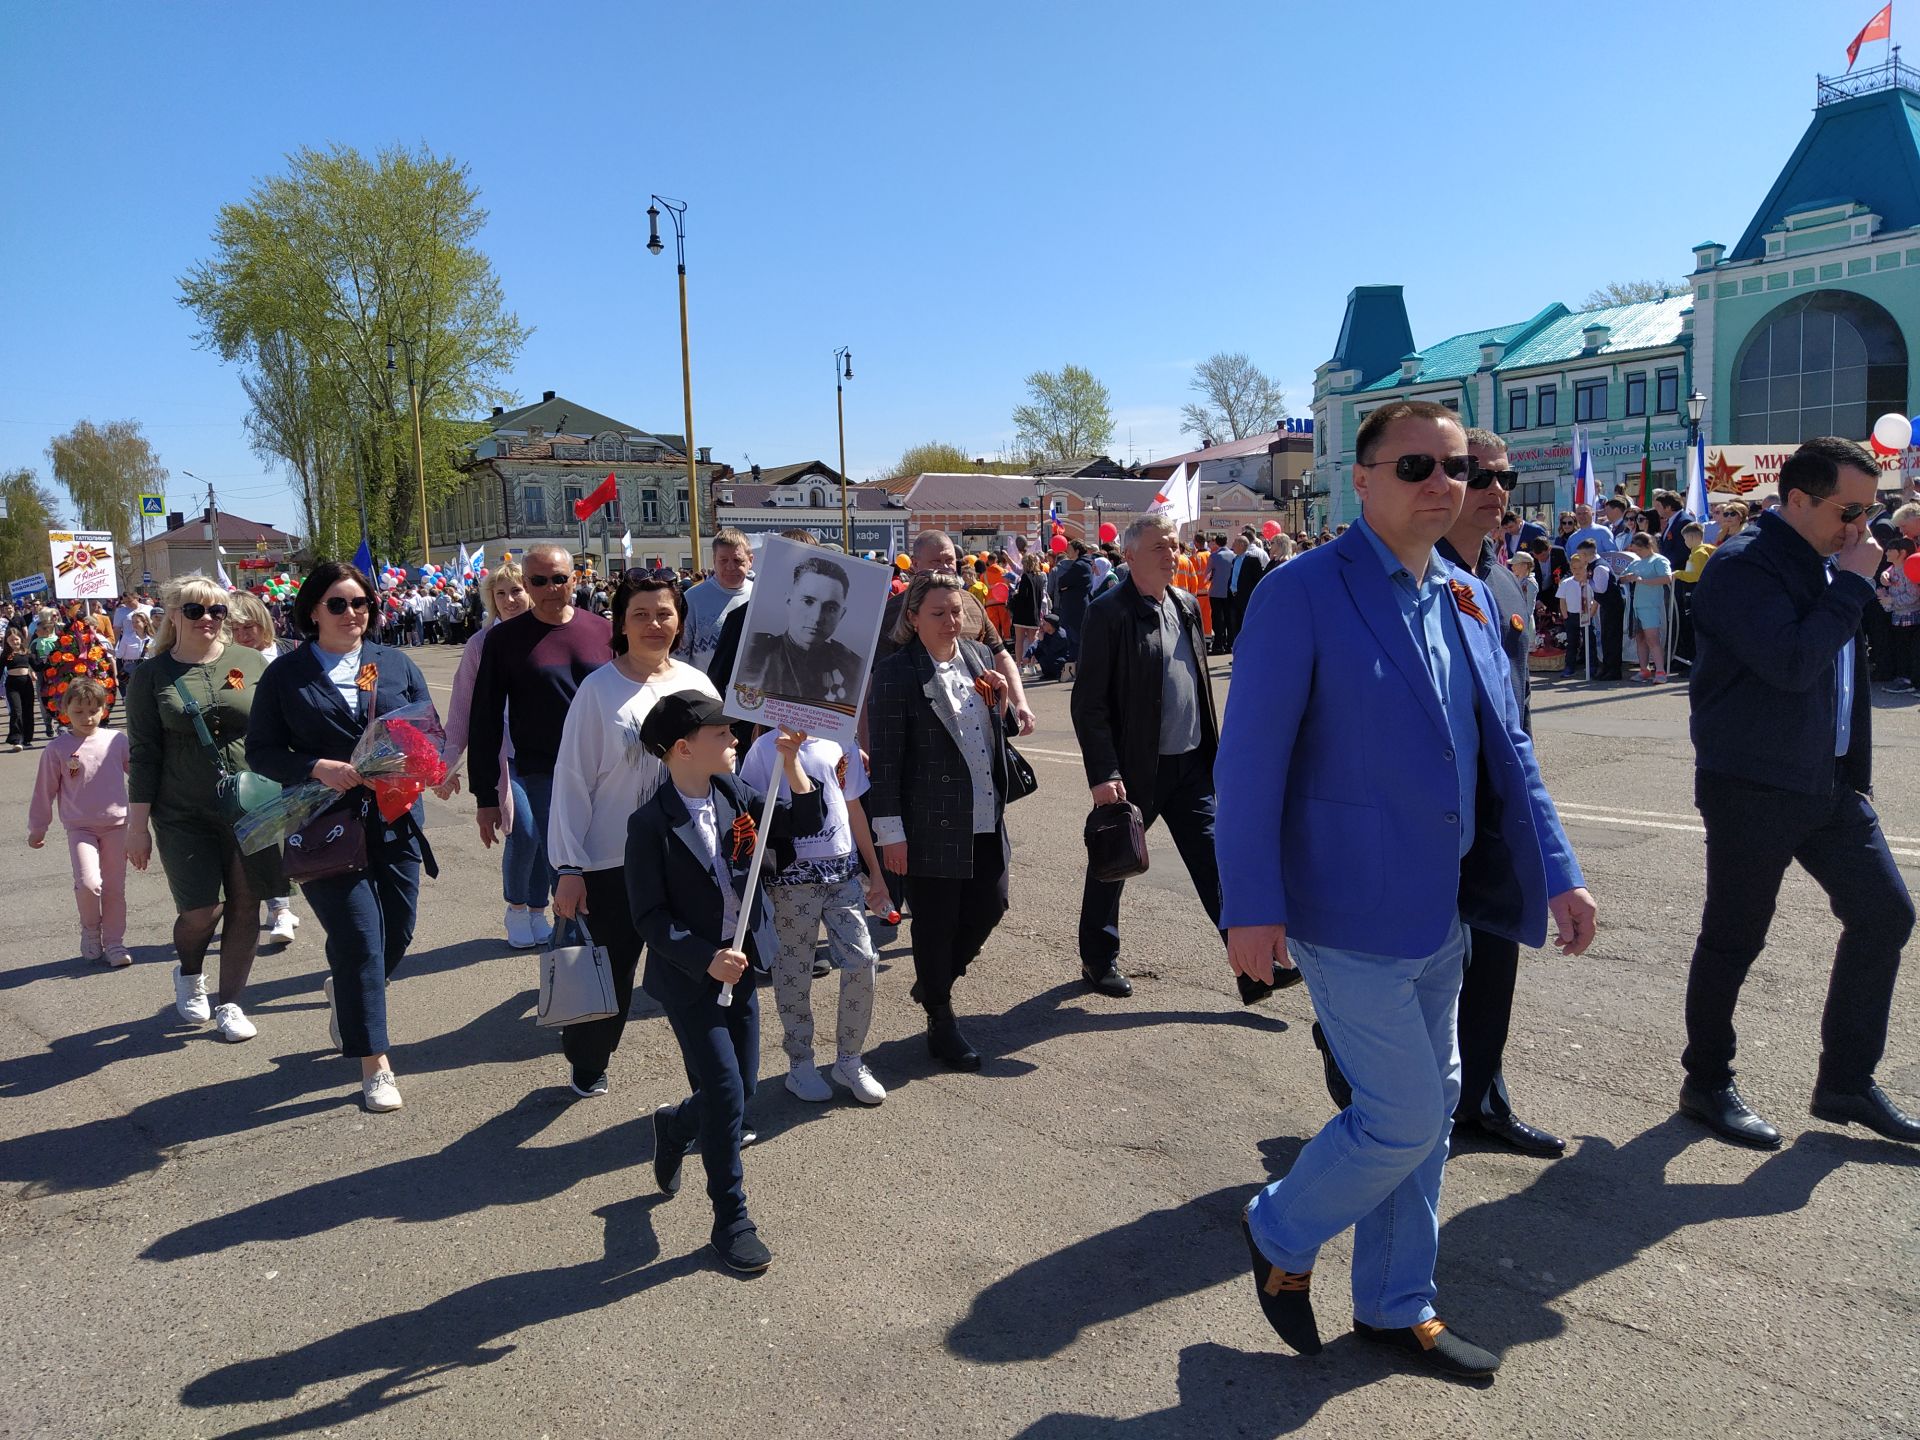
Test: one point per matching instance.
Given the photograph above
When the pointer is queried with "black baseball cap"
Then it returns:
(676, 716)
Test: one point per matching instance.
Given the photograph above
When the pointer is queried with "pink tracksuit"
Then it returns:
(89, 779)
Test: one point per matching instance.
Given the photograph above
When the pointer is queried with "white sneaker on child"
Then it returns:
(233, 1024)
(119, 957)
(190, 996)
(90, 946)
(852, 1073)
(804, 1081)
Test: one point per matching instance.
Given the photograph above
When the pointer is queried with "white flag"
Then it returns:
(626, 543)
(464, 566)
(1179, 497)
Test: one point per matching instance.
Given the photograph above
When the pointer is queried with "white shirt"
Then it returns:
(603, 773)
(707, 823)
(975, 739)
(828, 855)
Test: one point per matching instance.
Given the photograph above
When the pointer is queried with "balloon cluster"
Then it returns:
(278, 587)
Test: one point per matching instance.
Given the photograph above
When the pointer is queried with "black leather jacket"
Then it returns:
(1116, 690)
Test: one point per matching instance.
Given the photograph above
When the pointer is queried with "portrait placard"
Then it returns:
(807, 643)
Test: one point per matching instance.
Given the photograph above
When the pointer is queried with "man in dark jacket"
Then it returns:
(1144, 714)
(1248, 567)
(1783, 742)
(1674, 520)
(1075, 591)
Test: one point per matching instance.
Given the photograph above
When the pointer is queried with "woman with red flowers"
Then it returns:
(314, 705)
(194, 681)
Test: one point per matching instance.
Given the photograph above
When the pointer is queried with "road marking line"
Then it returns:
(1570, 813)
(1666, 815)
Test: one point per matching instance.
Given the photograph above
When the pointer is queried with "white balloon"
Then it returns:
(1894, 432)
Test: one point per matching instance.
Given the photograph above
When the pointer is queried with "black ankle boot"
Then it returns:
(946, 1043)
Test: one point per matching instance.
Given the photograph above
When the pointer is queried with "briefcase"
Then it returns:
(1116, 841)
(576, 982)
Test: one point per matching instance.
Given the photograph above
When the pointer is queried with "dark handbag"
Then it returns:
(1021, 781)
(333, 843)
(1116, 842)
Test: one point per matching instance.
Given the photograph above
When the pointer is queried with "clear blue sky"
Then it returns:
(963, 194)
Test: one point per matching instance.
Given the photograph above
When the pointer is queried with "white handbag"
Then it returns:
(576, 982)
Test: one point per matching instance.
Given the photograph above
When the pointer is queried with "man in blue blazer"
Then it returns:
(1378, 796)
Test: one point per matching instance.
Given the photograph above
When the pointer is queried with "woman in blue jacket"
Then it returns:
(310, 711)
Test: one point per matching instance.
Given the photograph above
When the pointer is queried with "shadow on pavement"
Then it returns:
(400, 1354)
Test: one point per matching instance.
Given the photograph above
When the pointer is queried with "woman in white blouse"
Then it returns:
(602, 776)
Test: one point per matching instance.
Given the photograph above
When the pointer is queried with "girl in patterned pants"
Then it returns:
(822, 883)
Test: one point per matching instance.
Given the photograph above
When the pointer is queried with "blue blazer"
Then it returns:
(298, 717)
(1335, 783)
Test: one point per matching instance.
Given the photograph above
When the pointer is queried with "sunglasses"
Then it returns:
(540, 582)
(1850, 513)
(1415, 468)
(194, 610)
(658, 575)
(340, 604)
(1482, 477)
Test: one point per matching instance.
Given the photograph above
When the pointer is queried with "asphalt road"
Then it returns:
(210, 1240)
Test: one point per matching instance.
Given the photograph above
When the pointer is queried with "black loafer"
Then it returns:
(1870, 1108)
(1437, 1346)
(947, 1045)
(1516, 1134)
(1286, 1298)
(666, 1155)
(1108, 982)
(744, 1254)
(1727, 1114)
(1338, 1089)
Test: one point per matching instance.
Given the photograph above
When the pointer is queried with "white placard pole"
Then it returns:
(753, 880)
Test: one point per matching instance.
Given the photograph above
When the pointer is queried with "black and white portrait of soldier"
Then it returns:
(802, 660)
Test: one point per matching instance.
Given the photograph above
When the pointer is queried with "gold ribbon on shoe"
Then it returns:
(1279, 1280)
(1427, 1332)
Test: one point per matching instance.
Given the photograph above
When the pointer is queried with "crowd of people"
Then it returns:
(1384, 676)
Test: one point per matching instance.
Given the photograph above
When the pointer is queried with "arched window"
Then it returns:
(1829, 363)
(818, 498)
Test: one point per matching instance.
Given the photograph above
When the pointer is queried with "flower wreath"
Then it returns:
(80, 652)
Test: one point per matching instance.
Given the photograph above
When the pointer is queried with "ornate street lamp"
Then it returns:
(678, 210)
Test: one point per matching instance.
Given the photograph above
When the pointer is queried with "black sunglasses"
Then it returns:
(658, 575)
(1482, 477)
(194, 610)
(338, 604)
(1850, 513)
(1415, 468)
(540, 582)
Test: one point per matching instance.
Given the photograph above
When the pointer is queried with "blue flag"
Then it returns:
(363, 559)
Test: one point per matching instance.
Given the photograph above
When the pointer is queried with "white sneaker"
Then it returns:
(542, 928)
(190, 996)
(520, 929)
(233, 1024)
(852, 1073)
(380, 1093)
(804, 1081)
(119, 957)
(284, 922)
(333, 1015)
(90, 946)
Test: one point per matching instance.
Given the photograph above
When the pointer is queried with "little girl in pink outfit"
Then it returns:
(86, 771)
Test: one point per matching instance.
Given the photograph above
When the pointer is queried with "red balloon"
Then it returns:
(1058, 545)
(1270, 529)
(1109, 533)
(1912, 567)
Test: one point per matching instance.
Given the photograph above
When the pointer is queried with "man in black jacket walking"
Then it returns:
(1783, 742)
(1144, 714)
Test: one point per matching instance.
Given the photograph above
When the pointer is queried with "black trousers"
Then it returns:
(721, 1050)
(1683, 613)
(1613, 625)
(1183, 796)
(1880, 643)
(1753, 833)
(589, 1045)
(20, 709)
(1223, 617)
(1486, 1010)
(953, 918)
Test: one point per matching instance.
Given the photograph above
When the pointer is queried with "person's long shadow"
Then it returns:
(107, 1151)
(1618, 1203)
(399, 1354)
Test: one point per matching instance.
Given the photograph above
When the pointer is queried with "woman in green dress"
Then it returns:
(172, 785)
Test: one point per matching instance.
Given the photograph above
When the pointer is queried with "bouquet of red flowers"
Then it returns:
(398, 757)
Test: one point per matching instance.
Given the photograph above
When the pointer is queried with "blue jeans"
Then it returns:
(525, 873)
(721, 1050)
(1376, 1165)
(368, 918)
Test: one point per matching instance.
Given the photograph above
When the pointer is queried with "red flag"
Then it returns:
(609, 488)
(1880, 27)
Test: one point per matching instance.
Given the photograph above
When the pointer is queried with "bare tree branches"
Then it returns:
(1240, 400)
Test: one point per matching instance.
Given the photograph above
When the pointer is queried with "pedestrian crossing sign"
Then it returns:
(153, 505)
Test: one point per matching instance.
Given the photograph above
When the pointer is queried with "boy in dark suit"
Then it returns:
(689, 849)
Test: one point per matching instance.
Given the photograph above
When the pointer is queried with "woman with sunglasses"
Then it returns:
(313, 707)
(602, 775)
(172, 784)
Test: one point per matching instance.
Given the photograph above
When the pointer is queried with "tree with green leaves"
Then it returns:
(32, 510)
(332, 285)
(936, 457)
(1240, 400)
(106, 468)
(1627, 292)
(1067, 415)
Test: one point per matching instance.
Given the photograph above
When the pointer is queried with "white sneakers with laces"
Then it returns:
(520, 929)
(379, 1092)
(233, 1025)
(190, 996)
(851, 1072)
(285, 922)
(805, 1082)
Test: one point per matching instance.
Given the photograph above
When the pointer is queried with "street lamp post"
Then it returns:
(419, 451)
(844, 353)
(1099, 519)
(677, 209)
